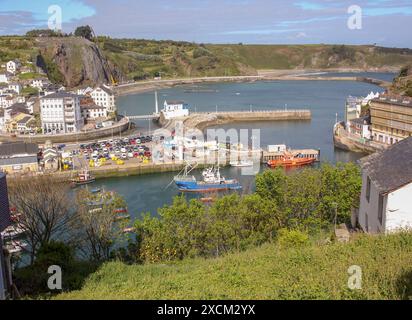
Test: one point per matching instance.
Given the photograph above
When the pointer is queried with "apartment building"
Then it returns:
(60, 113)
(391, 118)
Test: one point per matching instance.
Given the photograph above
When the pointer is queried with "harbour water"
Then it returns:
(324, 98)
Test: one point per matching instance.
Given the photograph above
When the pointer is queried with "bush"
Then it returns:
(32, 280)
(201, 52)
(292, 238)
(85, 32)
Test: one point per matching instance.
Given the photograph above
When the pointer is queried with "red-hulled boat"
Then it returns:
(290, 160)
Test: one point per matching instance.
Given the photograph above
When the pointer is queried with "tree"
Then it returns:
(100, 226)
(46, 211)
(84, 32)
(271, 184)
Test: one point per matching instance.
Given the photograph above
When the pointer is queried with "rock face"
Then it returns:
(77, 61)
(403, 83)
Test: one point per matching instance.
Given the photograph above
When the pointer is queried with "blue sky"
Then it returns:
(385, 22)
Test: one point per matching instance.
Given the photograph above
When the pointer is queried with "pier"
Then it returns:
(145, 117)
(202, 120)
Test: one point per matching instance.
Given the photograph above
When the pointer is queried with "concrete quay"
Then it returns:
(203, 120)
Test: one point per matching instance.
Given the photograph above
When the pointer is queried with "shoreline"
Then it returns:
(263, 75)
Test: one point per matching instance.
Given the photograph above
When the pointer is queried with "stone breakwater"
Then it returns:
(206, 119)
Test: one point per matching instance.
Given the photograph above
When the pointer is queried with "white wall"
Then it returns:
(399, 209)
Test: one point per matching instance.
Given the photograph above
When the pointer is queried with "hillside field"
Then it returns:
(273, 271)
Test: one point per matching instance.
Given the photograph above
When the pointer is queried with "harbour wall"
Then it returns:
(346, 141)
(122, 126)
(206, 119)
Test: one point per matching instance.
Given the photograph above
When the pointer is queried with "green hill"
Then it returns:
(315, 271)
(74, 61)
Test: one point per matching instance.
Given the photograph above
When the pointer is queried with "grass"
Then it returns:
(30, 75)
(270, 272)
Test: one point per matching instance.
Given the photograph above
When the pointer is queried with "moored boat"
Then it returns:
(212, 181)
(83, 178)
(289, 160)
(241, 163)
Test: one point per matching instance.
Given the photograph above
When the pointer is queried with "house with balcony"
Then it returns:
(385, 204)
(60, 113)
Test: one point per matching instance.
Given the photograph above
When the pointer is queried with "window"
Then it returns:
(380, 209)
(368, 188)
(366, 223)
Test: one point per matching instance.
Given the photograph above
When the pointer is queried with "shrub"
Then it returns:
(292, 238)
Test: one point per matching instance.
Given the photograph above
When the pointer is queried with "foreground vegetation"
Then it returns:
(308, 200)
(274, 244)
(272, 271)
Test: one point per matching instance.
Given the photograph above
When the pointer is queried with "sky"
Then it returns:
(382, 22)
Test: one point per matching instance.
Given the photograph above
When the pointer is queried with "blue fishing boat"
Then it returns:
(212, 181)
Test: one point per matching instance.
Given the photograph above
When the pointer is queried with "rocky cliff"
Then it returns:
(403, 83)
(75, 62)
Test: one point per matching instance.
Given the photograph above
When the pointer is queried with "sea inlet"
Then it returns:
(325, 99)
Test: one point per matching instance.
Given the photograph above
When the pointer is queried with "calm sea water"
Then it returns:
(325, 99)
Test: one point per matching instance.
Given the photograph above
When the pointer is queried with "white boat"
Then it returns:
(241, 163)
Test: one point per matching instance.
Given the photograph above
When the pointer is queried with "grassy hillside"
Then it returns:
(272, 271)
(144, 58)
(73, 62)
(318, 56)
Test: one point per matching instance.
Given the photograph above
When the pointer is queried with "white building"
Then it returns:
(2, 120)
(104, 97)
(60, 113)
(6, 100)
(360, 127)
(385, 204)
(13, 66)
(93, 112)
(175, 109)
(40, 83)
(16, 87)
(4, 78)
(85, 91)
